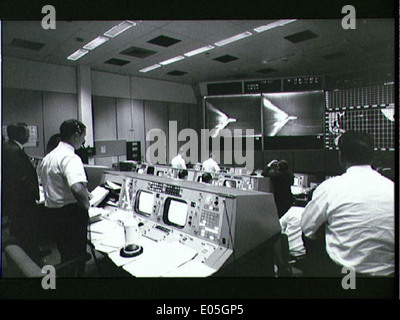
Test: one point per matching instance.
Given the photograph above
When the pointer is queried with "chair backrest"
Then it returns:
(20, 264)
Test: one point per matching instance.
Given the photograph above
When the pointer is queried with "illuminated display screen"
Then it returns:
(144, 203)
(230, 183)
(234, 112)
(175, 212)
(293, 113)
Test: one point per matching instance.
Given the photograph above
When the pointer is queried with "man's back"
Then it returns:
(178, 162)
(20, 178)
(358, 209)
(210, 165)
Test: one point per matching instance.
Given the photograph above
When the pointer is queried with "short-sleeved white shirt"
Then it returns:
(210, 165)
(178, 162)
(358, 209)
(59, 170)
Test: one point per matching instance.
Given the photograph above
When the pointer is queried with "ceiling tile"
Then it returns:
(301, 36)
(117, 62)
(164, 41)
(226, 58)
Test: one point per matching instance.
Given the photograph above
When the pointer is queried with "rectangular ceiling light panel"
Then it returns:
(123, 26)
(77, 54)
(172, 60)
(198, 51)
(154, 66)
(273, 25)
(95, 43)
(234, 38)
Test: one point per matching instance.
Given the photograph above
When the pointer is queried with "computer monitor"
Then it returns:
(175, 212)
(296, 181)
(303, 180)
(229, 183)
(144, 203)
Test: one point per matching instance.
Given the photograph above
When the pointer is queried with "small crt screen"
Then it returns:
(230, 183)
(144, 202)
(175, 212)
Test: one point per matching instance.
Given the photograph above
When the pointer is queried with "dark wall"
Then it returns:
(46, 110)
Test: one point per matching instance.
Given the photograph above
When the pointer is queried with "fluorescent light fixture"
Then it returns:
(172, 60)
(123, 26)
(199, 50)
(154, 66)
(95, 43)
(273, 25)
(234, 38)
(77, 54)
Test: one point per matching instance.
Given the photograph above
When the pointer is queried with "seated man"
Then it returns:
(290, 224)
(355, 211)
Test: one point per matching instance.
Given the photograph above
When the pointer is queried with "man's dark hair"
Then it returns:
(206, 177)
(53, 142)
(16, 130)
(182, 173)
(356, 147)
(283, 165)
(69, 127)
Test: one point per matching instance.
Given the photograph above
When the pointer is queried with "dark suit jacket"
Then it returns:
(20, 186)
(281, 181)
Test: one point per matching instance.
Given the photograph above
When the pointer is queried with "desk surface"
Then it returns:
(171, 254)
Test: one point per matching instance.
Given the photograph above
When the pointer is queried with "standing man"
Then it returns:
(66, 196)
(355, 211)
(282, 179)
(20, 187)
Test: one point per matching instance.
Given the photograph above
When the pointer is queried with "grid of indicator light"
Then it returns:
(369, 109)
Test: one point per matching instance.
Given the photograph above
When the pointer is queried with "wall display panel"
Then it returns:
(233, 112)
(293, 120)
(293, 113)
(369, 109)
(378, 122)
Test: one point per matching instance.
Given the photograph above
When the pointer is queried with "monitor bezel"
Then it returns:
(137, 200)
(167, 204)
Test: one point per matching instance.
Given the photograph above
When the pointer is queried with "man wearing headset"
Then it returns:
(66, 196)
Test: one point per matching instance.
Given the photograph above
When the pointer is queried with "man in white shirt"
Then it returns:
(290, 224)
(356, 211)
(66, 196)
(210, 165)
(178, 162)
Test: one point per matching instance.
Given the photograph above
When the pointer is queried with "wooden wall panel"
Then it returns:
(138, 124)
(104, 118)
(156, 117)
(58, 107)
(20, 105)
